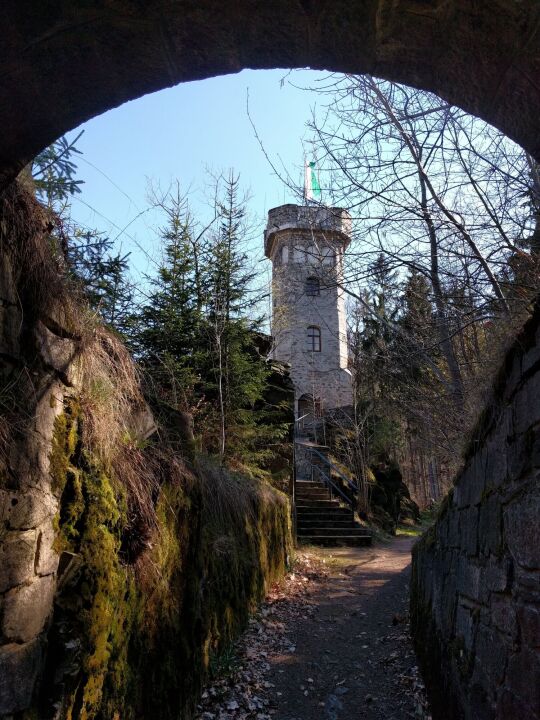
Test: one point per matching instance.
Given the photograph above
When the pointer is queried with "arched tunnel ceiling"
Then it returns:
(64, 61)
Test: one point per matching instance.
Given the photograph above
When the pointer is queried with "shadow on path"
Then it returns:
(353, 657)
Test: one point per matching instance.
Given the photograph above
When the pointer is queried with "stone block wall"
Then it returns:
(475, 596)
(38, 361)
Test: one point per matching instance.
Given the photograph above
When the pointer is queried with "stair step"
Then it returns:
(318, 503)
(315, 489)
(356, 540)
(338, 532)
(330, 514)
(303, 522)
(315, 495)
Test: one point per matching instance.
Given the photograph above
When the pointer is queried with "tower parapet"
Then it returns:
(298, 217)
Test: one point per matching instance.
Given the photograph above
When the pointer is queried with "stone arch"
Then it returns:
(62, 63)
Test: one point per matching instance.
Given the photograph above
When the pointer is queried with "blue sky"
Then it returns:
(180, 133)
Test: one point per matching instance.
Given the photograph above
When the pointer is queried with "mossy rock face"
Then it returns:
(93, 611)
(131, 640)
(390, 499)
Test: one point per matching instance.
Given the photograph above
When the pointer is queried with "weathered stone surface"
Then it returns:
(24, 511)
(496, 461)
(466, 625)
(492, 669)
(523, 678)
(483, 57)
(17, 555)
(496, 577)
(296, 240)
(468, 578)
(527, 584)
(46, 556)
(142, 423)
(511, 706)
(492, 652)
(10, 312)
(526, 406)
(19, 667)
(529, 623)
(468, 529)
(58, 353)
(27, 608)
(522, 526)
(490, 526)
(503, 615)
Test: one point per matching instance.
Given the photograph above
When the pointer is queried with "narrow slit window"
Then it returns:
(313, 286)
(314, 338)
(284, 255)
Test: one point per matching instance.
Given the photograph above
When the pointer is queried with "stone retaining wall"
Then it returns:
(100, 614)
(475, 601)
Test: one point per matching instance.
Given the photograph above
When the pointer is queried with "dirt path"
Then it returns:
(333, 644)
(351, 655)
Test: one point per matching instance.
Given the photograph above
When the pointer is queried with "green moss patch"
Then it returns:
(143, 636)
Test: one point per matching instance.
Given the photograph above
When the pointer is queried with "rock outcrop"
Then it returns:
(124, 568)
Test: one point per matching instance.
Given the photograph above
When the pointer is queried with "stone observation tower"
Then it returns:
(306, 246)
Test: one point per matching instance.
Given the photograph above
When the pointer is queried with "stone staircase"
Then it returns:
(323, 520)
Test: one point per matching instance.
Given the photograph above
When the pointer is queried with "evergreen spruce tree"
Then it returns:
(167, 340)
(88, 254)
(239, 373)
(53, 172)
(416, 319)
(102, 276)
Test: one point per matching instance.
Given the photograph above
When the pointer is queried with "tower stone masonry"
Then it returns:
(306, 246)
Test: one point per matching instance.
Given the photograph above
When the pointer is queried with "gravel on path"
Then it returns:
(330, 643)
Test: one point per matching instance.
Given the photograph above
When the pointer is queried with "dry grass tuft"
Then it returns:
(36, 260)
(110, 394)
(226, 499)
(229, 500)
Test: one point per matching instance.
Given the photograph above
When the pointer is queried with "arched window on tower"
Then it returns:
(284, 254)
(314, 338)
(313, 286)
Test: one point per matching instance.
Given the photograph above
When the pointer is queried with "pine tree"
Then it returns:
(168, 336)
(417, 321)
(102, 277)
(238, 371)
(54, 173)
(88, 254)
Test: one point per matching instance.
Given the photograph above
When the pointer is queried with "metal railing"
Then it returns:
(353, 486)
(349, 499)
(326, 477)
(335, 490)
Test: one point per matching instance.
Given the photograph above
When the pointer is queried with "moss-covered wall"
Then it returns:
(135, 639)
(475, 596)
(123, 572)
